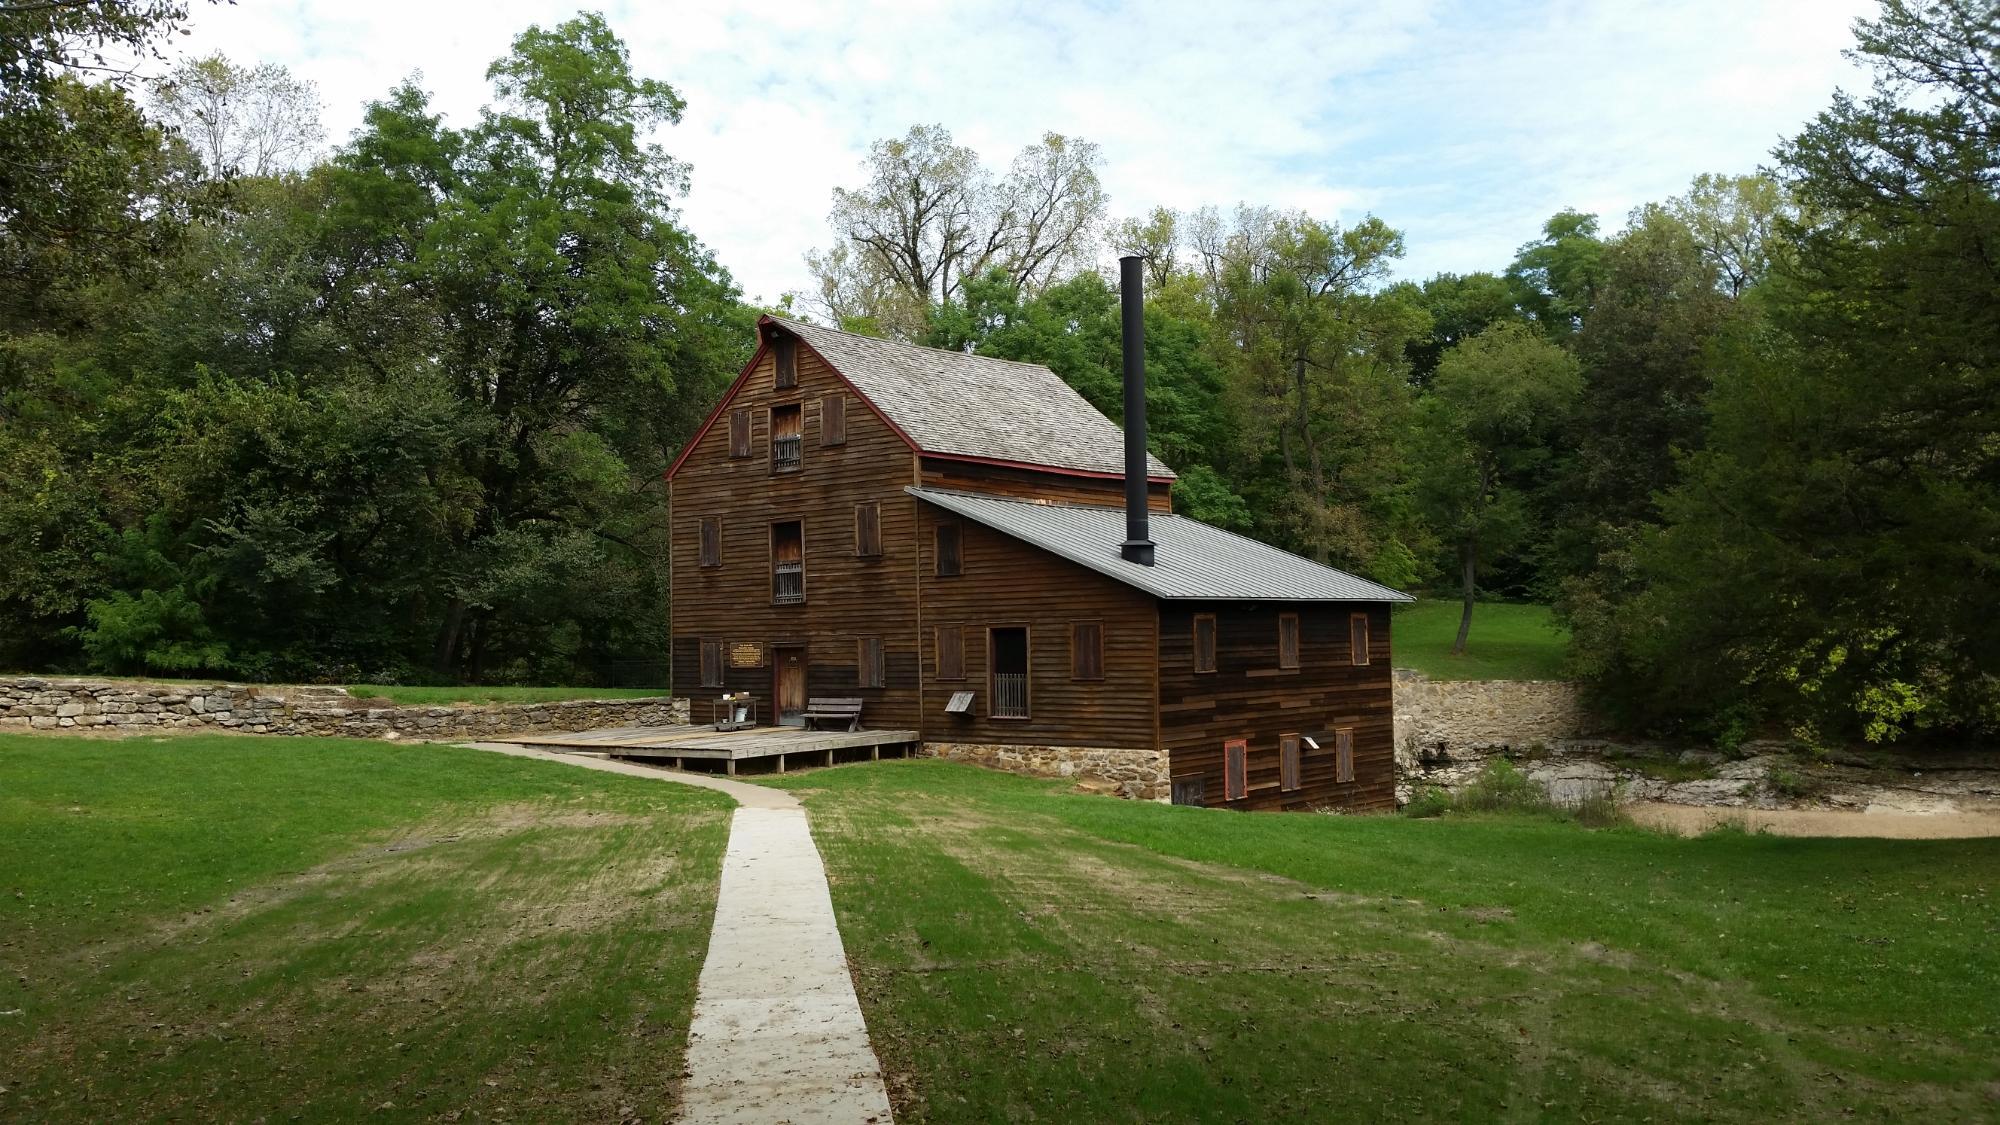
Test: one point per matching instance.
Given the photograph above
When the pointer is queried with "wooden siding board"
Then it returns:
(846, 596)
(1026, 484)
(1008, 583)
(1243, 699)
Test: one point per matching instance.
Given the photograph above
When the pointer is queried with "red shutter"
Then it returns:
(870, 670)
(1086, 651)
(833, 420)
(950, 652)
(787, 362)
(949, 562)
(868, 529)
(711, 541)
(1235, 775)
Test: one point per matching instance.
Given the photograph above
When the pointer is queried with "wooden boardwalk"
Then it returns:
(699, 746)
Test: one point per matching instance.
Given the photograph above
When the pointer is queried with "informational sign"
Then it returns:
(746, 654)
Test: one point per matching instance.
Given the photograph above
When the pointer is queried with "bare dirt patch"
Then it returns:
(1692, 820)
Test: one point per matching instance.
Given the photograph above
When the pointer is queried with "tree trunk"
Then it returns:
(1468, 554)
(445, 655)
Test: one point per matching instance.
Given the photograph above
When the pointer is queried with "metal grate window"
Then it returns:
(788, 563)
(787, 439)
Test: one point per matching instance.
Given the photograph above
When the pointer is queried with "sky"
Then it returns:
(1463, 124)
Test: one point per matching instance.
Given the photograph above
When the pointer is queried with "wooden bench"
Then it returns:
(844, 710)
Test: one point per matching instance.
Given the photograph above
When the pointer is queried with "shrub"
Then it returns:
(1502, 788)
(1428, 802)
(1792, 783)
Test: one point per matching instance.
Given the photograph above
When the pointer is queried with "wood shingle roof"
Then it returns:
(960, 405)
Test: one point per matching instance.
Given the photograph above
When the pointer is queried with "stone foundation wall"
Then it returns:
(1460, 718)
(36, 703)
(1141, 775)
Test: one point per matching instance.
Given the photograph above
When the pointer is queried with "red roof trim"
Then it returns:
(702, 431)
(1038, 468)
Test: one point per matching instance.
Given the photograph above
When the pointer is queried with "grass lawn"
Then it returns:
(214, 928)
(1508, 642)
(1028, 954)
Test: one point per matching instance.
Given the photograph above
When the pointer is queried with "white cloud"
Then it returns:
(1464, 123)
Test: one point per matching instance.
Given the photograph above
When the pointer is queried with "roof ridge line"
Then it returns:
(918, 347)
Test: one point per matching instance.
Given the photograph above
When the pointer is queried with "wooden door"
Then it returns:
(788, 666)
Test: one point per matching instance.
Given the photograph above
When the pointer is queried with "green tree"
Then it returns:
(1555, 277)
(1495, 405)
(1832, 560)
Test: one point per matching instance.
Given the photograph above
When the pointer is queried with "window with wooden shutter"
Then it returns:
(1288, 641)
(739, 433)
(868, 530)
(787, 353)
(711, 540)
(787, 438)
(711, 663)
(950, 645)
(788, 562)
(833, 419)
(1288, 762)
(1204, 642)
(949, 562)
(1343, 754)
(870, 663)
(1086, 651)
(1357, 638)
(1235, 769)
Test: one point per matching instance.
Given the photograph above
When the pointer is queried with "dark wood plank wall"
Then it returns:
(1027, 484)
(846, 596)
(1008, 583)
(1248, 697)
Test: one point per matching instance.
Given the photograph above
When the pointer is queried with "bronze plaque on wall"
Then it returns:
(746, 654)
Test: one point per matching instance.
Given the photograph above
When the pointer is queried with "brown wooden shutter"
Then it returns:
(711, 540)
(1357, 638)
(1288, 640)
(1288, 762)
(711, 663)
(1086, 651)
(869, 661)
(1343, 754)
(833, 420)
(739, 433)
(787, 362)
(949, 562)
(868, 529)
(1235, 769)
(950, 652)
(1204, 642)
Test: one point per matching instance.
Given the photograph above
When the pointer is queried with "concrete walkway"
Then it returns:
(777, 1034)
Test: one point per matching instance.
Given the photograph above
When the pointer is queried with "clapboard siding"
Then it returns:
(846, 596)
(1008, 583)
(1028, 484)
(1249, 697)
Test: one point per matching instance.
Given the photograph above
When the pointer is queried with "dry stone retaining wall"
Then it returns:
(1139, 774)
(1459, 718)
(39, 703)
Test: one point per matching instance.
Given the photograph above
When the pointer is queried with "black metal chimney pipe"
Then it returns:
(1138, 545)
